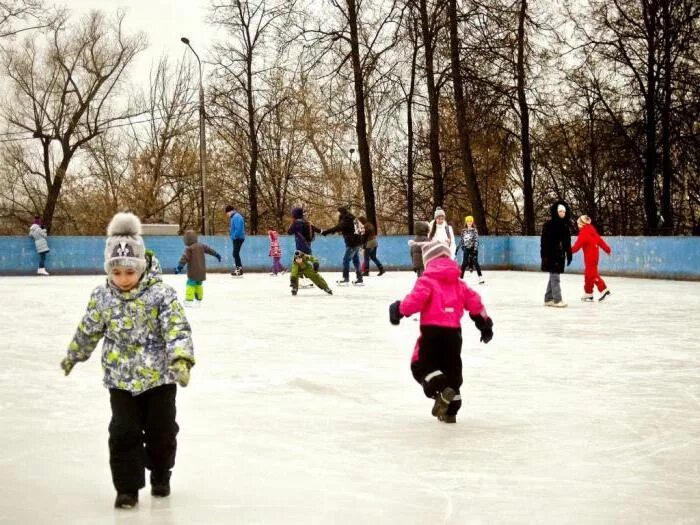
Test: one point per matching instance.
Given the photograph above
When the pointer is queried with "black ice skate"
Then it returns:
(328, 291)
(604, 294)
(442, 401)
(126, 500)
(160, 484)
(343, 282)
(448, 418)
(382, 271)
(358, 283)
(294, 291)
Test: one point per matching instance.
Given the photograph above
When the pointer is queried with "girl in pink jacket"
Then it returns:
(275, 252)
(441, 297)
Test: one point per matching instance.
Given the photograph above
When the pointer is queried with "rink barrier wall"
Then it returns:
(655, 257)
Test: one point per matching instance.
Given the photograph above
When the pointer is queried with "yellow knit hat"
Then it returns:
(468, 219)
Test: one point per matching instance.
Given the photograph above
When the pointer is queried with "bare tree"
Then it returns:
(18, 16)
(241, 61)
(65, 93)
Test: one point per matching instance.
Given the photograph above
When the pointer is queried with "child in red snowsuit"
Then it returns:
(589, 240)
(441, 297)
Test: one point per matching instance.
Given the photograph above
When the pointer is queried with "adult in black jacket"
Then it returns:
(353, 241)
(555, 249)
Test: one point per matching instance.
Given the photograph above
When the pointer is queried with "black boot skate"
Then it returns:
(160, 484)
(442, 401)
(126, 500)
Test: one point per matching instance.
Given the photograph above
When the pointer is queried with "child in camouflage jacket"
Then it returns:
(147, 349)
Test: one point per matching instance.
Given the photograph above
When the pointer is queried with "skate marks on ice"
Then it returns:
(305, 411)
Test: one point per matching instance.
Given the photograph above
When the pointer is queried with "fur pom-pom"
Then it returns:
(124, 224)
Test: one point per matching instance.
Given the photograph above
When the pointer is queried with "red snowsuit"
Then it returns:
(589, 240)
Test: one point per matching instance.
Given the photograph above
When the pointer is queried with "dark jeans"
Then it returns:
(42, 259)
(351, 253)
(142, 435)
(438, 363)
(371, 253)
(470, 260)
(237, 243)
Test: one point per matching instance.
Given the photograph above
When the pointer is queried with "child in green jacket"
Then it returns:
(306, 265)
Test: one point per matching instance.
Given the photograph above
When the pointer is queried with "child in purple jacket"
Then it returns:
(441, 297)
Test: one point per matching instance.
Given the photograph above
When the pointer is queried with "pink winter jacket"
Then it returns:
(441, 296)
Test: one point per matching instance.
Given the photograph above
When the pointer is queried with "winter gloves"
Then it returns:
(178, 269)
(484, 325)
(67, 365)
(181, 367)
(395, 314)
(218, 257)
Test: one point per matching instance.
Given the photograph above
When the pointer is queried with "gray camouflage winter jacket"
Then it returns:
(145, 331)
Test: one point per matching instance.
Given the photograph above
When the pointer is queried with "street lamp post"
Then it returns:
(202, 144)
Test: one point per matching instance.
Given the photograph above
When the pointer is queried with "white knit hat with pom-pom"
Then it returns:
(124, 246)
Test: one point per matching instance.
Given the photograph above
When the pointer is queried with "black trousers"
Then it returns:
(439, 362)
(470, 260)
(237, 243)
(141, 435)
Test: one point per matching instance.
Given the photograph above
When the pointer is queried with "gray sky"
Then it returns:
(163, 22)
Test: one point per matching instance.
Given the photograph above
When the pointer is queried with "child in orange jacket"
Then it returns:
(589, 240)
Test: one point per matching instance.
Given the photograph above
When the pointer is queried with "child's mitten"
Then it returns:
(182, 368)
(395, 314)
(484, 325)
(67, 365)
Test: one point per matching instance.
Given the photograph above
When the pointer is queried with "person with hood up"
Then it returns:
(589, 240)
(40, 236)
(196, 267)
(441, 297)
(147, 350)
(555, 251)
(421, 229)
(352, 231)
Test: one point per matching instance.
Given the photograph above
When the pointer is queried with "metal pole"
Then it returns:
(202, 146)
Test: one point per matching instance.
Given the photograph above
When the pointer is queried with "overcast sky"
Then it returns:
(163, 22)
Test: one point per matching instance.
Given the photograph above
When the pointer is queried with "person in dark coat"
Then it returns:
(196, 266)
(349, 227)
(370, 245)
(302, 230)
(555, 251)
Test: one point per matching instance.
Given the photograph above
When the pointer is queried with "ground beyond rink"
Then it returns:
(302, 410)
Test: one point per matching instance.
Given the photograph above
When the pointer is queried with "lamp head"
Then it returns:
(185, 40)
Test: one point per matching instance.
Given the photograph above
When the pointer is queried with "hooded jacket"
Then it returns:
(421, 228)
(346, 226)
(589, 240)
(302, 230)
(145, 331)
(275, 249)
(194, 257)
(441, 296)
(555, 242)
(39, 235)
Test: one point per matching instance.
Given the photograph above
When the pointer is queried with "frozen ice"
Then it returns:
(302, 410)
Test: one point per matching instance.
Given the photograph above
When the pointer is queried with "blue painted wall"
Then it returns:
(660, 257)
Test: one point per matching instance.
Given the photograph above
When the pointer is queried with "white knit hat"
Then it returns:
(124, 246)
(560, 208)
(439, 212)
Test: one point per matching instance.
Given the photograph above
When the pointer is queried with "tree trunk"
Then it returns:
(254, 153)
(666, 161)
(433, 105)
(361, 123)
(526, 151)
(650, 157)
(409, 119)
(462, 127)
(55, 191)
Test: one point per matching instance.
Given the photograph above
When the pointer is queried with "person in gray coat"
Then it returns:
(38, 233)
(196, 267)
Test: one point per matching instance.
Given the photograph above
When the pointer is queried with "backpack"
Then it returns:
(359, 228)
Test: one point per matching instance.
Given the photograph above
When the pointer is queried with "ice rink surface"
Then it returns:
(302, 410)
